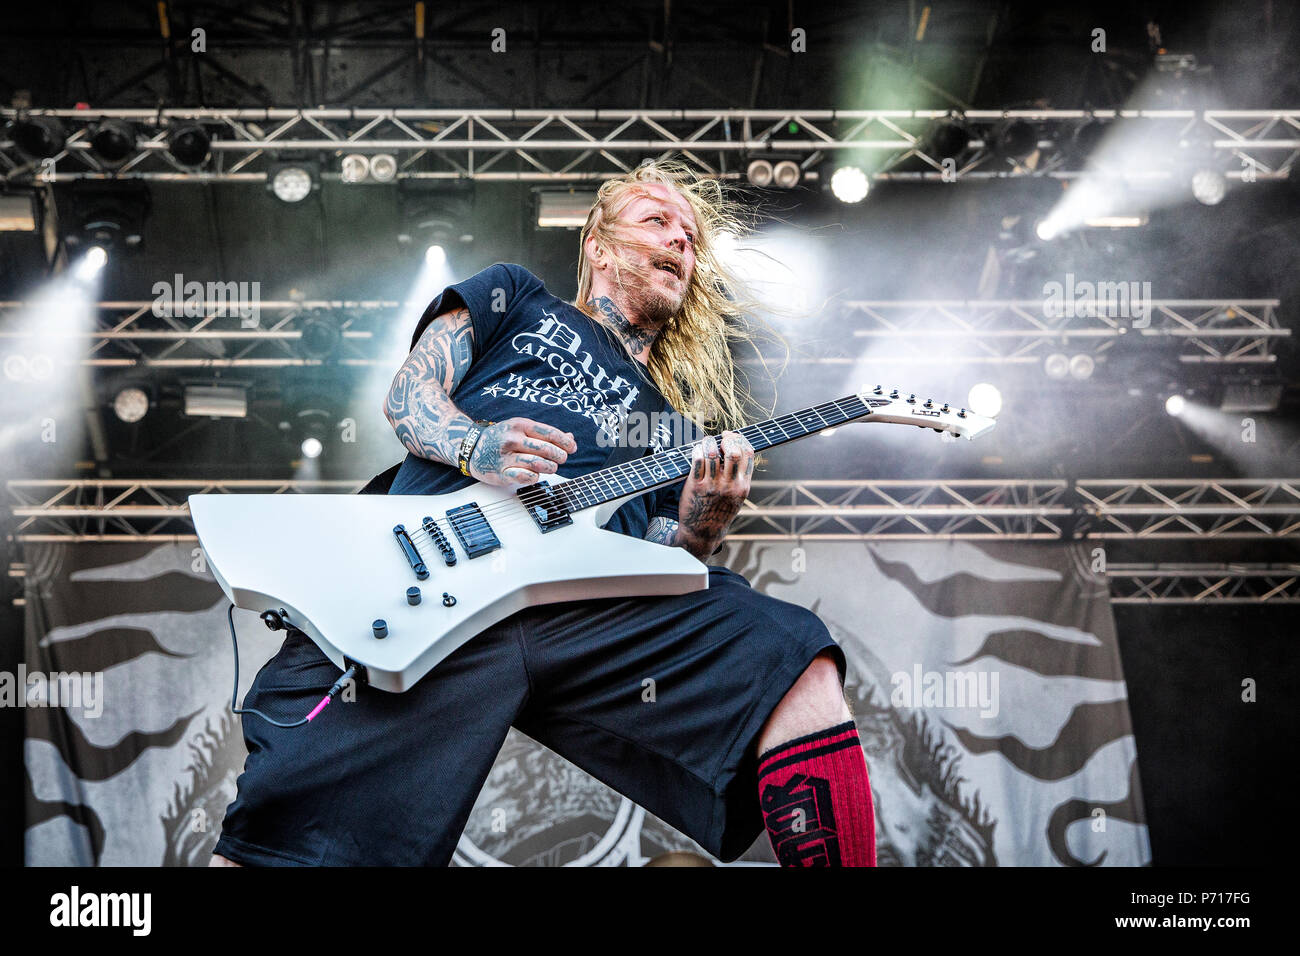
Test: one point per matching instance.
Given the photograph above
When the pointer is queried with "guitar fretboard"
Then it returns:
(674, 464)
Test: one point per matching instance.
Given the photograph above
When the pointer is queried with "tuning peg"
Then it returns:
(962, 413)
(945, 407)
(929, 403)
(878, 391)
(911, 399)
(894, 394)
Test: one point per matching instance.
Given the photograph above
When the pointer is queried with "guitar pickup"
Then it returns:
(439, 539)
(472, 528)
(546, 509)
(411, 551)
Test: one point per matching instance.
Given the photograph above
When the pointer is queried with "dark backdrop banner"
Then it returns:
(985, 681)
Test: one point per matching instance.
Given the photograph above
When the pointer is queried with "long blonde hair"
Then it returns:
(691, 360)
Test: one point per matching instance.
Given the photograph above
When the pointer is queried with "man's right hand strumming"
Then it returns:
(518, 451)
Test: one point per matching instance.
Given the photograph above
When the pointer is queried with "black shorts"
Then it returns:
(390, 779)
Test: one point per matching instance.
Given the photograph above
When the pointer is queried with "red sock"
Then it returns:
(816, 800)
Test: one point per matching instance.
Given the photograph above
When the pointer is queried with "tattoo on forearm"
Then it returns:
(662, 531)
(424, 417)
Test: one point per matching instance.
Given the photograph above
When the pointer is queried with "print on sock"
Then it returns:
(801, 821)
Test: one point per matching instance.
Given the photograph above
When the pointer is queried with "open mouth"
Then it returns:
(670, 267)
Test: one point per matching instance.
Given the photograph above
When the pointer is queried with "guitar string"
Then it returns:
(515, 510)
(613, 478)
(620, 472)
(577, 491)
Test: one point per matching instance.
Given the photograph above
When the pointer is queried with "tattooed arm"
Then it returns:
(517, 451)
(418, 406)
(718, 485)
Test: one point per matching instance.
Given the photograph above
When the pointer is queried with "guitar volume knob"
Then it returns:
(380, 628)
(413, 596)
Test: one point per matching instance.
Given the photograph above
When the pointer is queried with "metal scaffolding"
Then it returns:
(1026, 330)
(220, 334)
(1204, 583)
(933, 509)
(575, 145)
(1150, 583)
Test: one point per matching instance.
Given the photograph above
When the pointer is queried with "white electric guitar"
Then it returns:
(395, 583)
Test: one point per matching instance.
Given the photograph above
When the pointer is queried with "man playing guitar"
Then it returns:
(505, 383)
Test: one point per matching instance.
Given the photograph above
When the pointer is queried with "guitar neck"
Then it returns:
(667, 467)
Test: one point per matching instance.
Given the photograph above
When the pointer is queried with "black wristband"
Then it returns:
(469, 442)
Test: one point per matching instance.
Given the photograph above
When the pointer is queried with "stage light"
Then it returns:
(1056, 365)
(786, 174)
(18, 212)
(435, 256)
(1047, 229)
(1175, 404)
(1209, 186)
(850, 184)
(949, 140)
(355, 168)
(40, 137)
(91, 264)
(312, 447)
(321, 335)
(1082, 366)
(985, 399)
(1116, 222)
(189, 145)
(563, 209)
(383, 168)
(1252, 396)
(292, 183)
(40, 368)
(1087, 137)
(113, 140)
(131, 404)
(215, 401)
(759, 173)
(1016, 141)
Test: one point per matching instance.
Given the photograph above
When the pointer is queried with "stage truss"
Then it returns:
(217, 335)
(575, 145)
(932, 509)
(104, 510)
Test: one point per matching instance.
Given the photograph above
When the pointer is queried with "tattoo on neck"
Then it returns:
(638, 339)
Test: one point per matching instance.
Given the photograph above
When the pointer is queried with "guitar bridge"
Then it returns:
(439, 539)
(544, 506)
(411, 551)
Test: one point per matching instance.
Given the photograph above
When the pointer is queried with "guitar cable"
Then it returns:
(346, 676)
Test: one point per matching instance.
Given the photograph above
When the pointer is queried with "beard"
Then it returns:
(650, 298)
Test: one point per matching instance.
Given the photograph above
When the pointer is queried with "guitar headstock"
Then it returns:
(903, 408)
